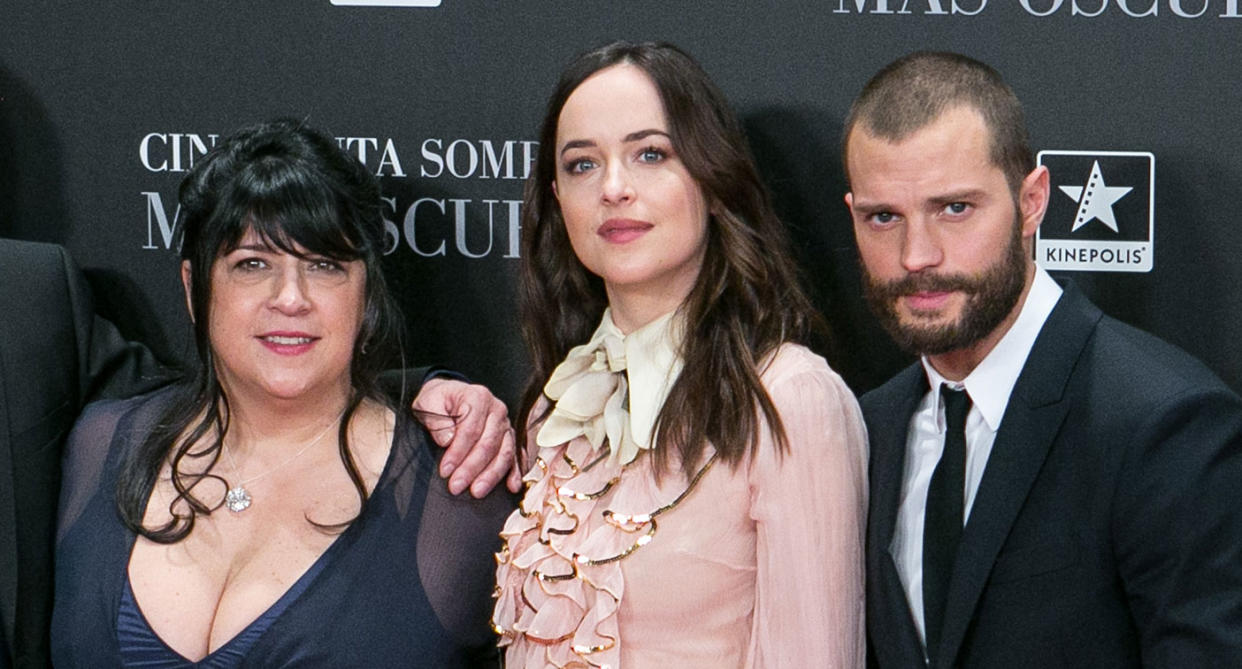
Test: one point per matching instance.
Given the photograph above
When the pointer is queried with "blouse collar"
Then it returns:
(594, 399)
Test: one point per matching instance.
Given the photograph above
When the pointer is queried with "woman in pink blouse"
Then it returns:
(697, 488)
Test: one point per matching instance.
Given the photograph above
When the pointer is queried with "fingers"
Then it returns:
(503, 463)
(435, 407)
(440, 427)
(455, 413)
(473, 426)
(514, 480)
(468, 431)
(488, 458)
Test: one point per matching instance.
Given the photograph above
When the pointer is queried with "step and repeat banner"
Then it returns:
(1135, 106)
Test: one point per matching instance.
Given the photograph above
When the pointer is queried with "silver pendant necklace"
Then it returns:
(238, 499)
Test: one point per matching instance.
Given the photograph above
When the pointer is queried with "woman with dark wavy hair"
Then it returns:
(697, 490)
(275, 509)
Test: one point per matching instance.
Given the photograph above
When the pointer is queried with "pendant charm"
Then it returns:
(237, 499)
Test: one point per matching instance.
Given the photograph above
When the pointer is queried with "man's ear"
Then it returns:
(1033, 199)
(185, 284)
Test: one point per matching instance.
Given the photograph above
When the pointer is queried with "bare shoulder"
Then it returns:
(371, 435)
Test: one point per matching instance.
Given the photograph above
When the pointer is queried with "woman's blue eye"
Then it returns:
(579, 166)
(651, 155)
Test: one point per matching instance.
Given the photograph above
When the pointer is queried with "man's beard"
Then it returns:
(990, 297)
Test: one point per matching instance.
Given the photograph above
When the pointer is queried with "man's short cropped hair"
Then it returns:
(915, 90)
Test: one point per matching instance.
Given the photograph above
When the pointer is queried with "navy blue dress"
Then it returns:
(408, 584)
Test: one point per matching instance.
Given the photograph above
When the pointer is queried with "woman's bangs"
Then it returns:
(297, 216)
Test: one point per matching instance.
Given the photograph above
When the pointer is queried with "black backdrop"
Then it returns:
(103, 106)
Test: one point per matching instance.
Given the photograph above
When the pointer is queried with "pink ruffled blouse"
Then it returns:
(756, 566)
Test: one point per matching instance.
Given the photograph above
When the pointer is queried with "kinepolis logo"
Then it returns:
(1101, 216)
(468, 227)
(1188, 9)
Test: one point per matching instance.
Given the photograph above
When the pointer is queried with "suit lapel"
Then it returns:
(887, 425)
(1036, 410)
(895, 640)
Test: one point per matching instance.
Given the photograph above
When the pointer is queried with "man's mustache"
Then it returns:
(922, 283)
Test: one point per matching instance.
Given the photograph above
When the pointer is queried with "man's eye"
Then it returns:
(957, 208)
(883, 217)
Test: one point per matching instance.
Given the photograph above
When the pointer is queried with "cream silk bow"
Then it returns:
(613, 387)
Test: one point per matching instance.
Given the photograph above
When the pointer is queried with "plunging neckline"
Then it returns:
(291, 594)
(238, 645)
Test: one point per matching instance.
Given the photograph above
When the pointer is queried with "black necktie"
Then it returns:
(942, 523)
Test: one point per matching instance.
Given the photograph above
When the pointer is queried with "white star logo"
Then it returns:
(1096, 200)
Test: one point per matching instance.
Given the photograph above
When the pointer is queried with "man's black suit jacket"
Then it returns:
(55, 355)
(1107, 528)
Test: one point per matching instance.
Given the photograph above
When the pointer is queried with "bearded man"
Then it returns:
(1049, 486)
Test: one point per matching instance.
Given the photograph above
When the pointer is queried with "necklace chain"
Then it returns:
(238, 499)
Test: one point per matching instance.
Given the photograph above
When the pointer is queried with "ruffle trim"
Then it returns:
(559, 576)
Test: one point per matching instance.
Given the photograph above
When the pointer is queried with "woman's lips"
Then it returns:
(622, 230)
(288, 343)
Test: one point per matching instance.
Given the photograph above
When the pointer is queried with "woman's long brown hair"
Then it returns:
(745, 302)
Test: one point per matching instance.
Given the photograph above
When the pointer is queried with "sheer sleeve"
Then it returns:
(809, 506)
(85, 453)
(457, 539)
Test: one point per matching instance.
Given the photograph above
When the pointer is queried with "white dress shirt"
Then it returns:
(989, 386)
